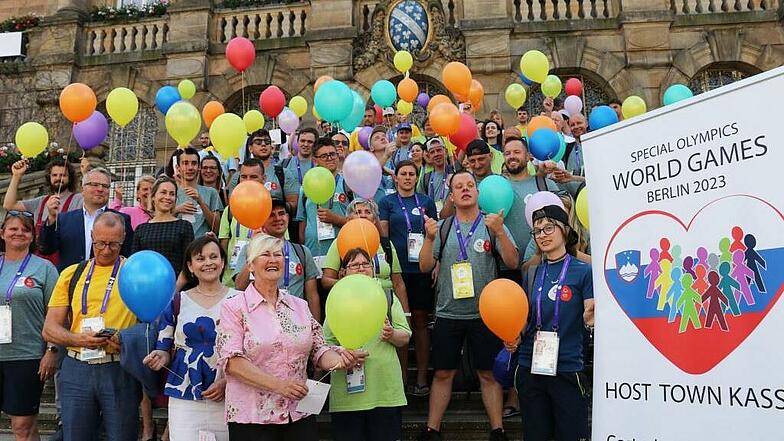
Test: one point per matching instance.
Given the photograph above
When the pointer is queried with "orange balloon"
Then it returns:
(477, 94)
(407, 89)
(251, 204)
(457, 78)
(358, 233)
(436, 100)
(445, 119)
(539, 122)
(321, 80)
(503, 307)
(212, 110)
(77, 102)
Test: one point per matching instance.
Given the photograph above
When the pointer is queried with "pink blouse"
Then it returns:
(279, 342)
(138, 214)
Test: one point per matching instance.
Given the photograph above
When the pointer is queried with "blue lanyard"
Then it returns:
(286, 259)
(109, 286)
(250, 232)
(463, 256)
(577, 158)
(558, 289)
(299, 171)
(377, 264)
(433, 191)
(10, 291)
(405, 212)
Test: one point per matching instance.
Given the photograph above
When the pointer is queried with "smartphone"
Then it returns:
(106, 332)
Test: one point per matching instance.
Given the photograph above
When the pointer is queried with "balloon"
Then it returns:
(404, 107)
(379, 114)
(457, 78)
(497, 195)
(334, 101)
(476, 94)
(540, 122)
(465, 133)
(354, 118)
(319, 184)
(403, 61)
(422, 99)
(315, 114)
(321, 80)
(356, 310)
(515, 95)
(272, 101)
(535, 66)
(187, 89)
(240, 52)
(503, 307)
(551, 86)
(504, 367)
(633, 106)
(675, 93)
(358, 233)
(211, 111)
(383, 93)
(561, 149)
(362, 173)
(407, 90)
(183, 122)
(445, 119)
(544, 144)
(364, 136)
(146, 283)
(253, 120)
(288, 121)
(538, 200)
(573, 104)
(436, 100)
(122, 105)
(227, 134)
(298, 105)
(92, 131)
(581, 208)
(601, 117)
(525, 80)
(251, 204)
(31, 139)
(166, 97)
(77, 102)
(574, 87)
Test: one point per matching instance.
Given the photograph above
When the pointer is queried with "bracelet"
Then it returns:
(407, 314)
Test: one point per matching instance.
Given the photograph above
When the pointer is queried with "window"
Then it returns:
(710, 79)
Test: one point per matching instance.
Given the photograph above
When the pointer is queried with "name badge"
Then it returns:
(390, 191)
(325, 230)
(462, 281)
(5, 324)
(355, 380)
(545, 359)
(319, 261)
(92, 324)
(415, 242)
(235, 253)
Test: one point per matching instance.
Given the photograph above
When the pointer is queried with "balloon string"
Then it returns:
(65, 159)
(242, 86)
(328, 372)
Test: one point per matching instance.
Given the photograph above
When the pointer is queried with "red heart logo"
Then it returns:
(697, 290)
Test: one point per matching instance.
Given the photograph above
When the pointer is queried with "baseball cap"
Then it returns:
(388, 111)
(435, 140)
(404, 126)
(477, 147)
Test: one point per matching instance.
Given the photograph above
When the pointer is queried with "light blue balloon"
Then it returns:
(544, 144)
(561, 150)
(333, 100)
(601, 117)
(675, 93)
(353, 120)
(383, 93)
(166, 97)
(495, 194)
(146, 284)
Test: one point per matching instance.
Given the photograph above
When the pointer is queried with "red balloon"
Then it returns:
(272, 101)
(240, 52)
(379, 114)
(466, 133)
(573, 86)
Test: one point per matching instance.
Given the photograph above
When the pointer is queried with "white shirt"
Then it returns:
(89, 220)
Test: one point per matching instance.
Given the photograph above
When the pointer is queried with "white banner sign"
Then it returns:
(687, 235)
(10, 44)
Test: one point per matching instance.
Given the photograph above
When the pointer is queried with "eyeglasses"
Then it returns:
(17, 213)
(98, 184)
(209, 167)
(358, 266)
(327, 156)
(262, 141)
(546, 231)
(337, 143)
(101, 245)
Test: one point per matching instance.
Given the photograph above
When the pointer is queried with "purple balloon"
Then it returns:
(538, 200)
(364, 136)
(288, 121)
(362, 173)
(422, 99)
(92, 131)
(293, 145)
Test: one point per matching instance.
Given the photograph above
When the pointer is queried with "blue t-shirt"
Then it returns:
(578, 286)
(308, 212)
(390, 210)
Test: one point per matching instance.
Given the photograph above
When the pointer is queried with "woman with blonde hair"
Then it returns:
(141, 211)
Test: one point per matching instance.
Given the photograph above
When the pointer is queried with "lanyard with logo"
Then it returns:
(546, 343)
(414, 240)
(239, 245)
(433, 191)
(6, 327)
(249, 235)
(10, 291)
(461, 271)
(95, 324)
(299, 171)
(463, 255)
(287, 259)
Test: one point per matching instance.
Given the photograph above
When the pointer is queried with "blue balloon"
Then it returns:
(333, 101)
(525, 80)
(544, 144)
(383, 93)
(601, 117)
(562, 149)
(353, 120)
(495, 194)
(166, 97)
(504, 367)
(675, 93)
(146, 283)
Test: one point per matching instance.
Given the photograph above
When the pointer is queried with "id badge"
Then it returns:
(389, 191)
(92, 324)
(355, 380)
(235, 253)
(415, 242)
(462, 281)
(325, 230)
(5, 324)
(545, 359)
(319, 261)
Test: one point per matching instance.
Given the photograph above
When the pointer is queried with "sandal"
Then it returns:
(510, 411)
(420, 390)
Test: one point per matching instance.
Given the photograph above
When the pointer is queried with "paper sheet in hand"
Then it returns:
(314, 400)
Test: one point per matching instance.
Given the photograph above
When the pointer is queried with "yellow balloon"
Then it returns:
(515, 95)
(403, 61)
(187, 89)
(298, 105)
(551, 86)
(534, 66)
(633, 106)
(315, 114)
(183, 122)
(227, 134)
(581, 207)
(404, 107)
(122, 105)
(31, 139)
(254, 120)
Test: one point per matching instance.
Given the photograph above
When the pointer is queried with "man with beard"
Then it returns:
(573, 177)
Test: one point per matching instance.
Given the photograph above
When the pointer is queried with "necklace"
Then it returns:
(215, 294)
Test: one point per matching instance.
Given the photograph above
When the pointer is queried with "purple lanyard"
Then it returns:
(286, 259)
(109, 286)
(10, 291)
(405, 212)
(250, 232)
(443, 187)
(558, 290)
(463, 256)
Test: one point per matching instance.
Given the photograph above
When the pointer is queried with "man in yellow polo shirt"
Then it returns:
(92, 384)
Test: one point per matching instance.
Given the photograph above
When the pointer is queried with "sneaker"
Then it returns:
(429, 434)
(420, 390)
(498, 435)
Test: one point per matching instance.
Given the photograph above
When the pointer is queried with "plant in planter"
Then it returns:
(131, 12)
(19, 24)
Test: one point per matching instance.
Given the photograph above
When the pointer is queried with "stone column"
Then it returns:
(486, 26)
(188, 41)
(330, 32)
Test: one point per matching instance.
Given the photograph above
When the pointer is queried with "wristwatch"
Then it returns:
(52, 348)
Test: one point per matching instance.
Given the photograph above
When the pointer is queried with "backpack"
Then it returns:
(443, 234)
(74, 280)
(541, 183)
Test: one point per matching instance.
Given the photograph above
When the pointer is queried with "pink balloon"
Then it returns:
(538, 200)
(573, 104)
(288, 121)
(362, 173)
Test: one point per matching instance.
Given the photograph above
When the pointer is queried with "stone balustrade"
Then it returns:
(121, 38)
(261, 23)
(527, 11)
(695, 7)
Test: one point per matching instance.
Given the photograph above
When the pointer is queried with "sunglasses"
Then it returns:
(338, 142)
(18, 213)
(263, 141)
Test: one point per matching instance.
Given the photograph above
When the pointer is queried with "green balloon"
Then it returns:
(356, 309)
(318, 185)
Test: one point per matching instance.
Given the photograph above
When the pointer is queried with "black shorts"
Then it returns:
(447, 342)
(20, 387)
(421, 294)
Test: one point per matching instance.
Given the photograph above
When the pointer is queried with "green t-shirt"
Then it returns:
(238, 236)
(211, 198)
(380, 266)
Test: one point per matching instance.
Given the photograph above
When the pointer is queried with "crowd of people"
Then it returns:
(246, 326)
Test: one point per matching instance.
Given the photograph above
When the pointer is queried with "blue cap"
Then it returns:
(403, 126)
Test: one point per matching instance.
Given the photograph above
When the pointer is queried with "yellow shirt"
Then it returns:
(117, 315)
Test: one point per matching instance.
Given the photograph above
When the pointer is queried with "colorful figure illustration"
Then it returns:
(675, 294)
(713, 262)
(702, 256)
(724, 247)
(729, 287)
(663, 282)
(676, 256)
(715, 298)
(688, 265)
(754, 261)
(737, 240)
(687, 304)
(743, 274)
(652, 271)
(700, 285)
(664, 244)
